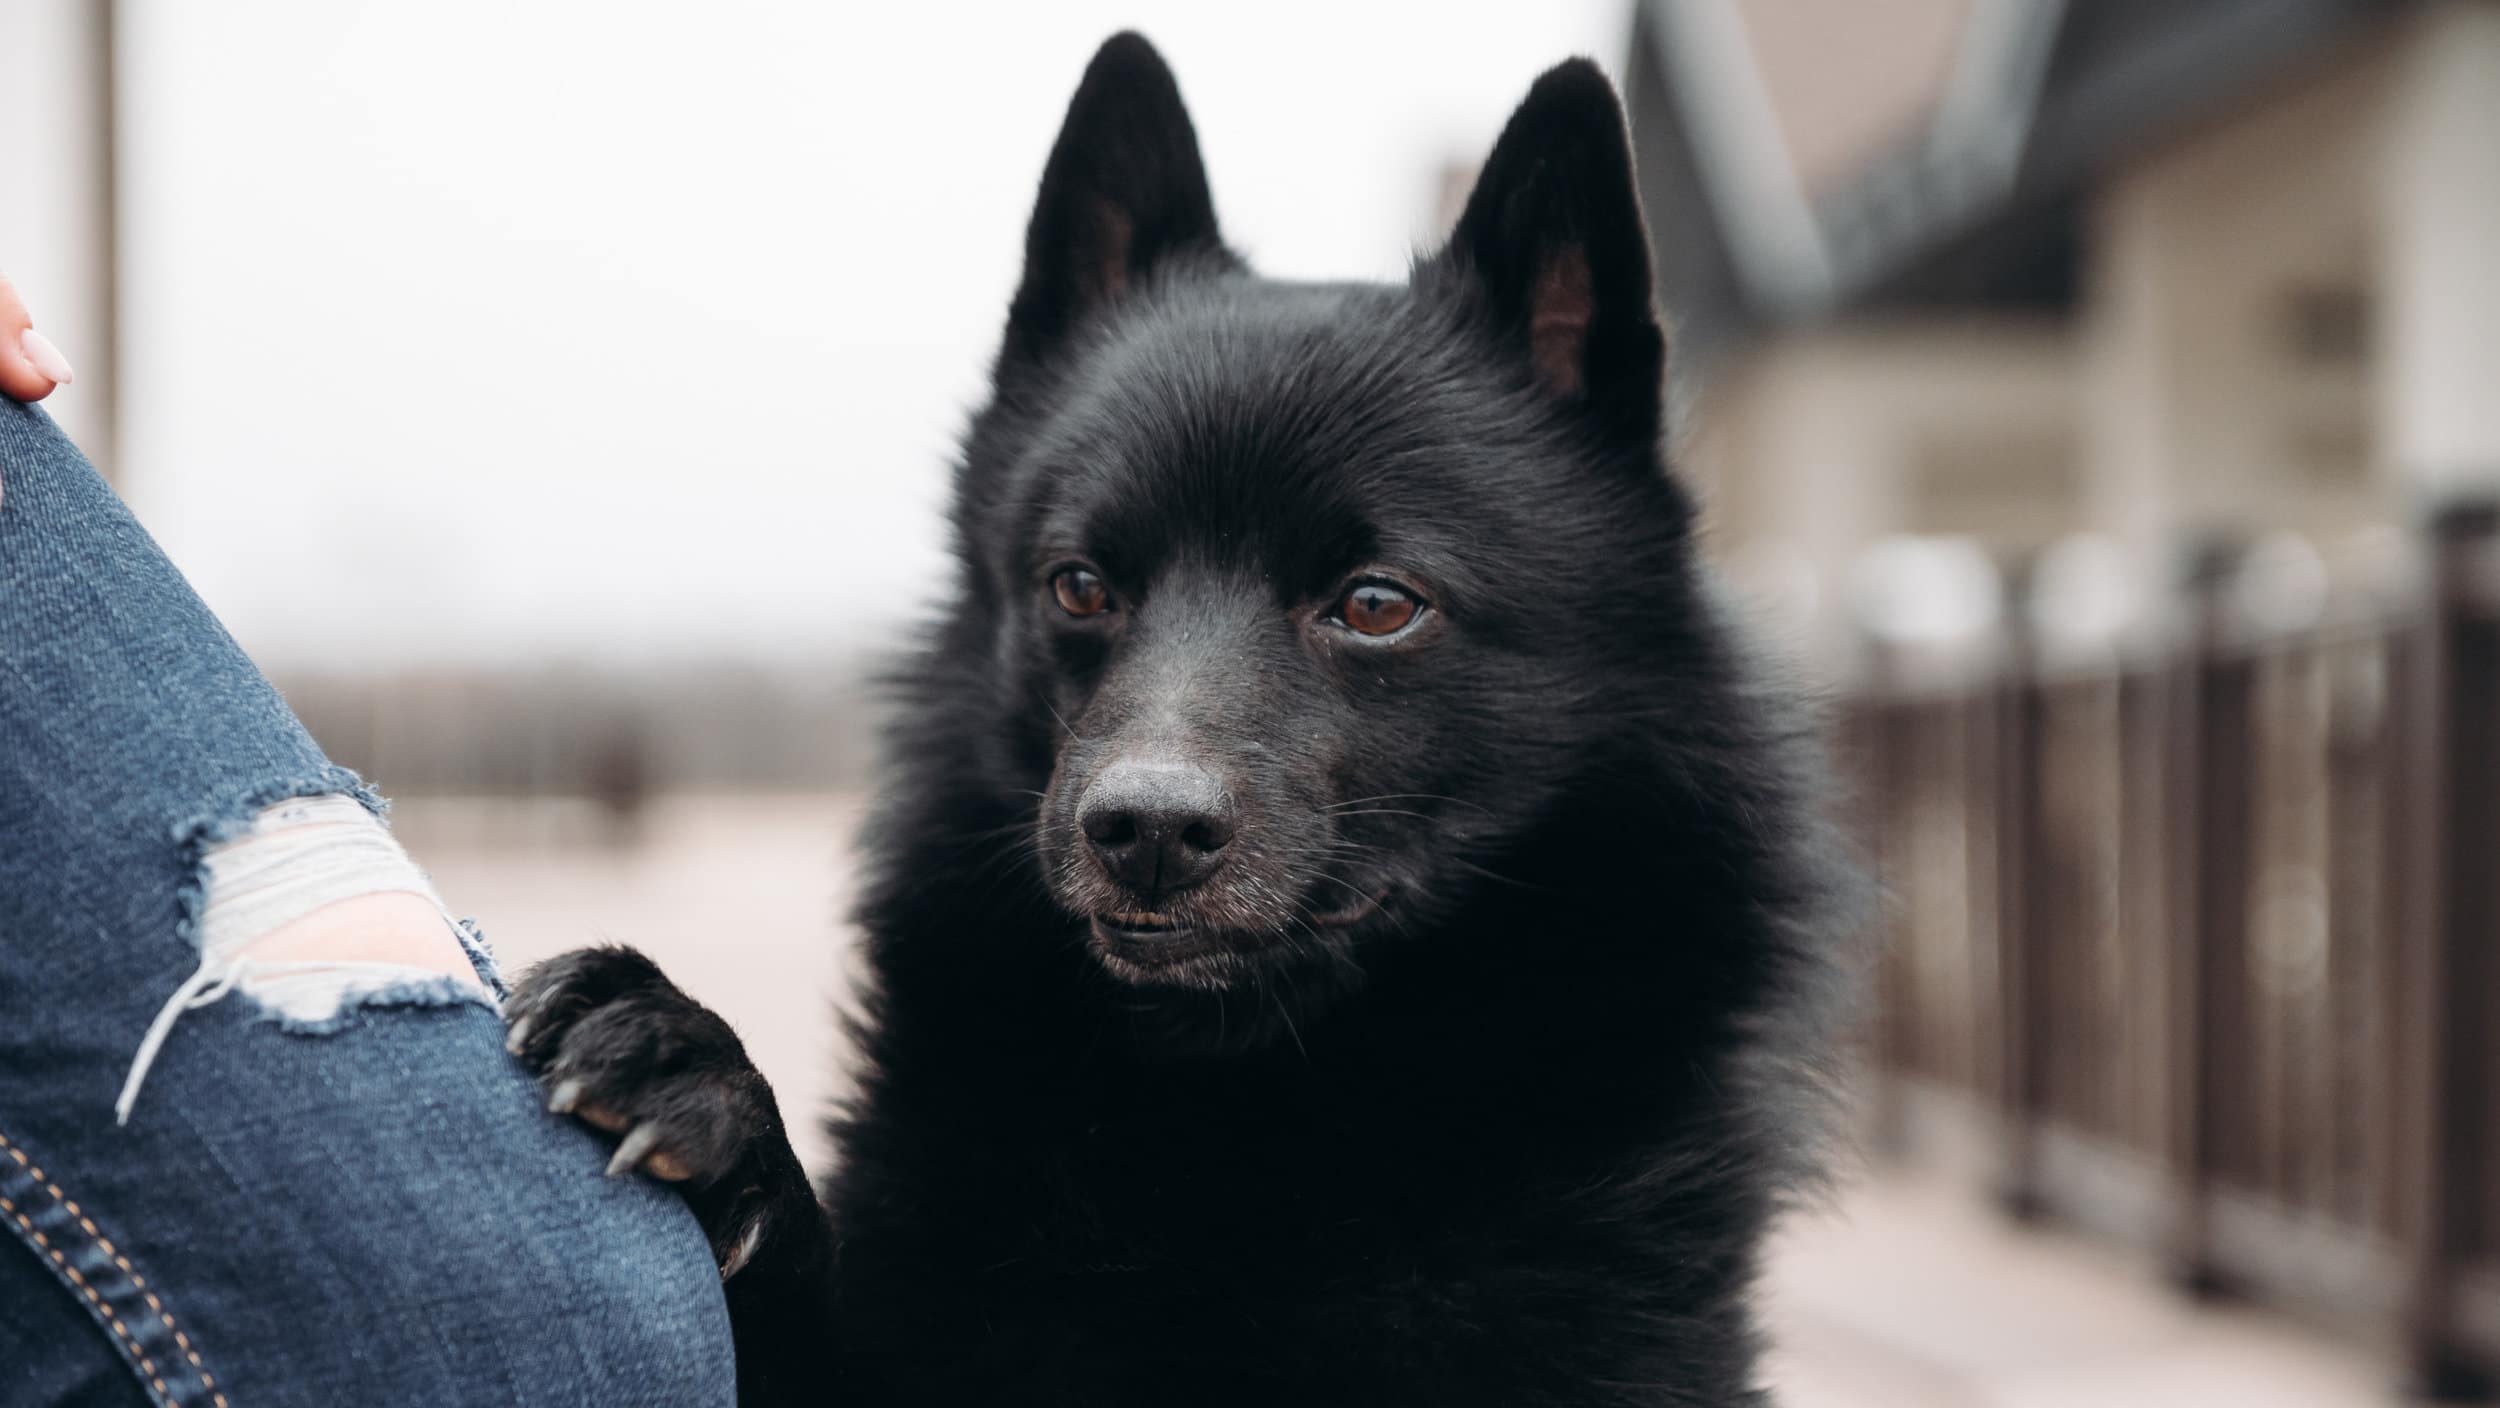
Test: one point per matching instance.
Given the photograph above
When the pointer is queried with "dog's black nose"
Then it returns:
(1158, 827)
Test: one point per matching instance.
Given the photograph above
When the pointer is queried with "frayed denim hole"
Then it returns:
(257, 876)
(482, 957)
(235, 814)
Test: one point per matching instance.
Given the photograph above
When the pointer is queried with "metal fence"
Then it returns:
(2209, 930)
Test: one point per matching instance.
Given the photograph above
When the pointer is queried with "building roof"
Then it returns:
(1803, 158)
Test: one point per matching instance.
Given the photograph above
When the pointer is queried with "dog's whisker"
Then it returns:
(1073, 735)
(1409, 797)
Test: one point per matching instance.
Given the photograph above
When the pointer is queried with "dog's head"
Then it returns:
(1317, 597)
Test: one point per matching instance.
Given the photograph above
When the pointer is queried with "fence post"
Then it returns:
(2450, 800)
(1871, 740)
(1889, 745)
(2016, 707)
(2205, 730)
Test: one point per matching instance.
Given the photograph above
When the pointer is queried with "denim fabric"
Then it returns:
(369, 1210)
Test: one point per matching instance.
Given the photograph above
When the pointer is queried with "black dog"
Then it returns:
(1346, 927)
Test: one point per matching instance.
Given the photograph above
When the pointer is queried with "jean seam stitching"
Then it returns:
(100, 1305)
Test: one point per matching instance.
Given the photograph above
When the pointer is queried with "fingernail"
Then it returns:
(47, 358)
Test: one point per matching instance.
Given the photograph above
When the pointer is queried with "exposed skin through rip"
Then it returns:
(388, 927)
(309, 912)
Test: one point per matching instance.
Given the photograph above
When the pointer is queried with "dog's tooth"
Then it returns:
(567, 1094)
(644, 1138)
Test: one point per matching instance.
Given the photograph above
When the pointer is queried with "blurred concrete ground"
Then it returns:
(1913, 1293)
(1907, 1292)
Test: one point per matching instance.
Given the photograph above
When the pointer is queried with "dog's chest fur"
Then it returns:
(1482, 1188)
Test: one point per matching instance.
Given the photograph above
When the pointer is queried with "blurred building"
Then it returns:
(2111, 391)
(2017, 269)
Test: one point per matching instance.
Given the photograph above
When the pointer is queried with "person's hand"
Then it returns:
(30, 366)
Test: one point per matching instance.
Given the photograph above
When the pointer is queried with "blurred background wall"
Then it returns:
(2099, 401)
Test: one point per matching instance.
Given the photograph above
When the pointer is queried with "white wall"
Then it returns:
(2440, 252)
(1814, 446)
(2199, 415)
(51, 194)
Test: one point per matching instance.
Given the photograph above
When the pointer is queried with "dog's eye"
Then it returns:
(1080, 592)
(1377, 609)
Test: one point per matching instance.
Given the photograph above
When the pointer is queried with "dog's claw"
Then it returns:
(518, 1038)
(643, 1139)
(610, 1041)
(739, 1254)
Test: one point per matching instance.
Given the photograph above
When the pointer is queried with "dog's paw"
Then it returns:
(617, 1045)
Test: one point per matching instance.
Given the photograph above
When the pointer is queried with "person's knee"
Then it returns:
(408, 1188)
(465, 1209)
(307, 910)
(392, 1186)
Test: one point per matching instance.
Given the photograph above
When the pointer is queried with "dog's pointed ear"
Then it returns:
(1124, 190)
(1553, 238)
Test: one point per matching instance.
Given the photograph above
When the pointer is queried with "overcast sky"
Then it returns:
(622, 329)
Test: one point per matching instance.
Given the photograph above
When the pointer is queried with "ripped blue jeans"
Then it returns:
(232, 1177)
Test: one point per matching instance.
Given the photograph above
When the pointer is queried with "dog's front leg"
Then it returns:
(621, 1047)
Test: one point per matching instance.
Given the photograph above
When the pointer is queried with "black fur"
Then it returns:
(1477, 1068)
